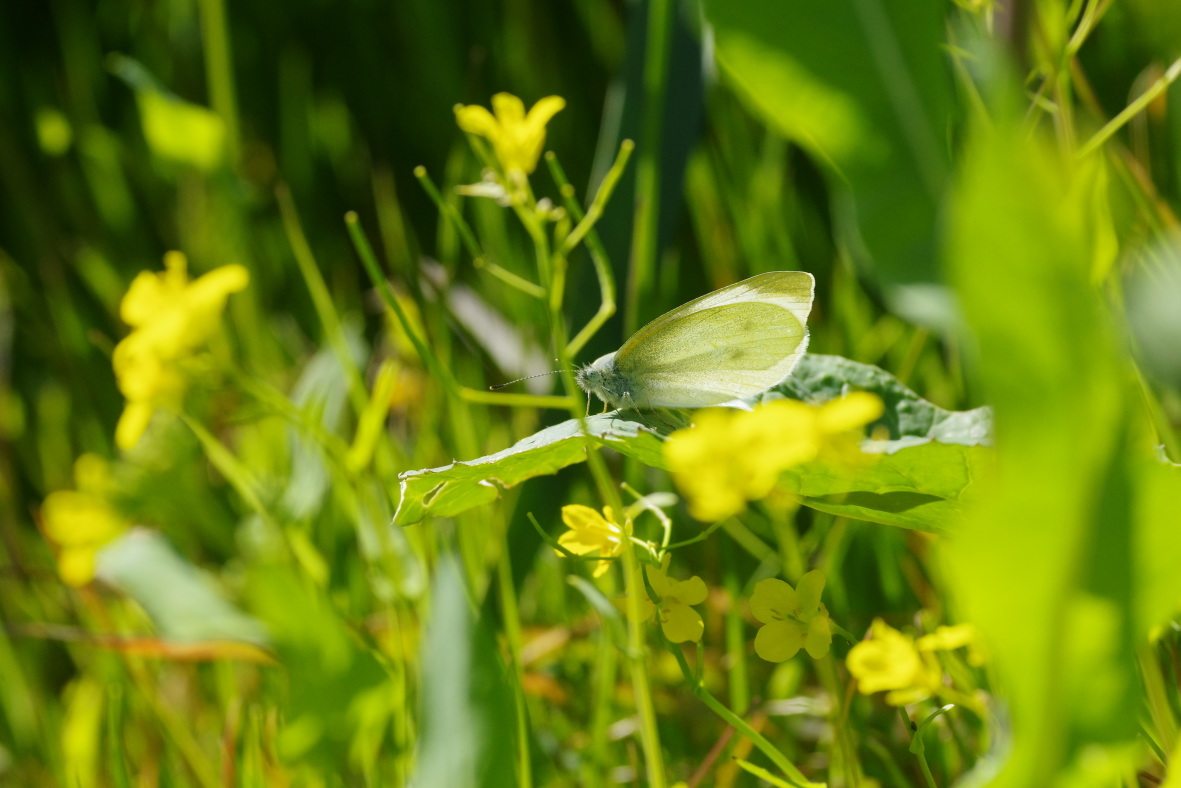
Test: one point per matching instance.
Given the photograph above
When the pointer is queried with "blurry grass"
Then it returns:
(340, 107)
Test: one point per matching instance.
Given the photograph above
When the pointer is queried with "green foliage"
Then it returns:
(265, 591)
(925, 467)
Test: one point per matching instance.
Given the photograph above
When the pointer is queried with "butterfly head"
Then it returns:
(603, 379)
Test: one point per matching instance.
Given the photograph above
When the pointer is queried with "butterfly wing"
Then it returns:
(732, 343)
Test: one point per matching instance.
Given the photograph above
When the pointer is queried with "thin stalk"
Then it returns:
(595, 210)
(219, 71)
(1133, 109)
(1159, 708)
(633, 578)
(637, 654)
(321, 299)
(647, 215)
(512, 631)
(479, 259)
(594, 247)
(428, 358)
(697, 686)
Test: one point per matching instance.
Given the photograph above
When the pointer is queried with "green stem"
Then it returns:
(594, 247)
(219, 70)
(512, 631)
(647, 213)
(697, 686)
(428, 358)
(1131, 111)
(450, 212)
(637, 657)
(321, 299)
(1159, 707)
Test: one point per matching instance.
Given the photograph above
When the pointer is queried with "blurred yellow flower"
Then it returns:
(793, 618)
(516, 137)
(80, 522)
(890, 661)
(953, 637)
(678, 619)
(592, 533)
(170, 317)
(730, 456)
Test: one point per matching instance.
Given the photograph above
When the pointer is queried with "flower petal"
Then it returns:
(809, 589)
(889, 661)
(579, 517)
(779, 641)
(773, 600)
(948, 638)
(132, 424)
(475, 119)
(681, 623)
(77, 518)
(849, 412)
(509, 110)
(819, 637)
(75, 565)
(544, 110)
(689, 592)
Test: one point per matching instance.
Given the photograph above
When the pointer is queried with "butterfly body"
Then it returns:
(732, 343)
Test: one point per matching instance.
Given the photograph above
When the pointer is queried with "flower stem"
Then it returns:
(644, 238)
(637, 654)
(697, 686)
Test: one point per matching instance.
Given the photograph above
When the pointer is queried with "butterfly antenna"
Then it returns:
(527, 377)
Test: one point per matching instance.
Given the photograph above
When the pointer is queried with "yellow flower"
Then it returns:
(81, 521)
(951, 638)
(516, 137)
(793, 618)
(730, 456)
(592, 533)
(171, 318)
(891, 661)
(678, 619)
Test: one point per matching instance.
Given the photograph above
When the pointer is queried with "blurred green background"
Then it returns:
(945, 170)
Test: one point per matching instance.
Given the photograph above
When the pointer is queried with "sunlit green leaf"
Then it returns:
(920, 475)
(468, 712)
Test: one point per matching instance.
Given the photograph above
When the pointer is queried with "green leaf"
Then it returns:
(922, 472)
(183, 602)
(1046, 564)
(468, 708)
(862, 85)
(909, 418)
(455, 488)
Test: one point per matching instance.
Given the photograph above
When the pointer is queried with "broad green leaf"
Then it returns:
(181, 601)
(909, 418)
(921, 474)
(1044, 563)
(863, 87)
(455, 488)
(467, 705)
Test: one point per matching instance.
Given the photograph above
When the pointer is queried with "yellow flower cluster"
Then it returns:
(793, 618)
(591, 533)
(680, 622)
(171, 318)
(516, 136)
(907, 670)
(81, 521)
(731, 456)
